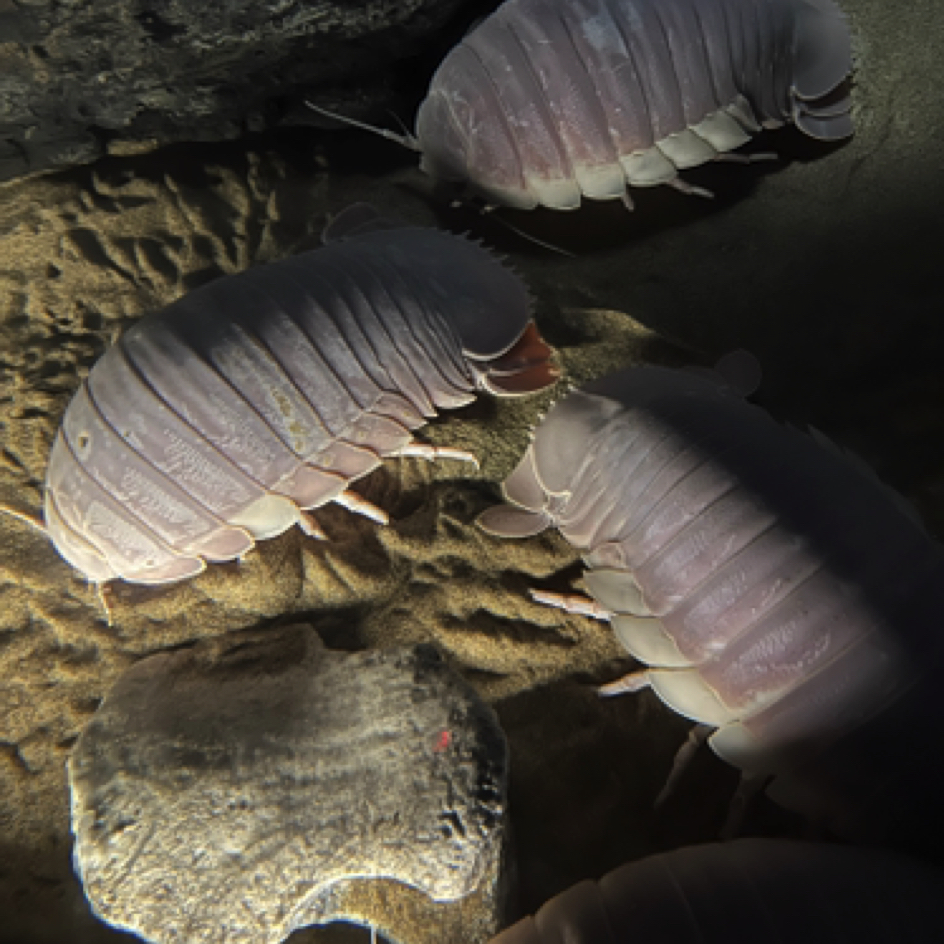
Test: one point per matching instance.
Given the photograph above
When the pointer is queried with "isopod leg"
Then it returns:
(311, 527)
(354, 502)
(690, 189)
(733, 158)
(426, 451)
(572, 603)
(749, 787)
(634, 682)
(101, 590)
(683, 757)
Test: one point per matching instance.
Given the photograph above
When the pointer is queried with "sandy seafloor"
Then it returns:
(827, 265)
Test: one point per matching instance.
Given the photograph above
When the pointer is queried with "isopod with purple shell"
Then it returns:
(222, 419)
(776, 589)
(547, 102)
(747, 890)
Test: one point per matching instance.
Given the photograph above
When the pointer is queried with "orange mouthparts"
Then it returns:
(524, 368)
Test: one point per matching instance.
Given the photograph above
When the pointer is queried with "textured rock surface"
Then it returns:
(80, 78)
(221, 792)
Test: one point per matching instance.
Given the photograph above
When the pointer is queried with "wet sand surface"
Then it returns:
(826, 265)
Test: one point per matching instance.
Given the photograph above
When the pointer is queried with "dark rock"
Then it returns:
(79, 79)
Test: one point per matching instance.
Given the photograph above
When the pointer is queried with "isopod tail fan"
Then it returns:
(822, 63)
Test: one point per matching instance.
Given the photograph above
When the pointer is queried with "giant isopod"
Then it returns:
(549, 101)
(777, 590)
(750, 890)
(220, 420)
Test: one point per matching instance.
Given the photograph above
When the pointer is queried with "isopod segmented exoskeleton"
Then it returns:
(776, 589)
(549, 101)
(218, 421)
(749, 890)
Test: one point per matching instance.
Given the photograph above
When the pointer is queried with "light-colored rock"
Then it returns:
(234, 791)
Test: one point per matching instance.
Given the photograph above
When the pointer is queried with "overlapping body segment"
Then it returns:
(221, 419)
(547, 102)
(775, 588)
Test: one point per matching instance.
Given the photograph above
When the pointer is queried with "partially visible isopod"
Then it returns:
(214, 423)
(550, 101)
(752, 890)
(779, 592)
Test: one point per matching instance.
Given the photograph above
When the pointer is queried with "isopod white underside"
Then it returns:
(220, 420)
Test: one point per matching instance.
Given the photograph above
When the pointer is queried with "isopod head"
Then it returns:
(540, 482)
(484, 302)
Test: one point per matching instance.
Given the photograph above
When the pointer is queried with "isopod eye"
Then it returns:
(83, 444)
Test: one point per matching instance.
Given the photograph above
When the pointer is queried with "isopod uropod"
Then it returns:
(214, 423)
(776, 589)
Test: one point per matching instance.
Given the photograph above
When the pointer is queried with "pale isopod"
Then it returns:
(779, 592)
(216, 422)
(549, 101)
